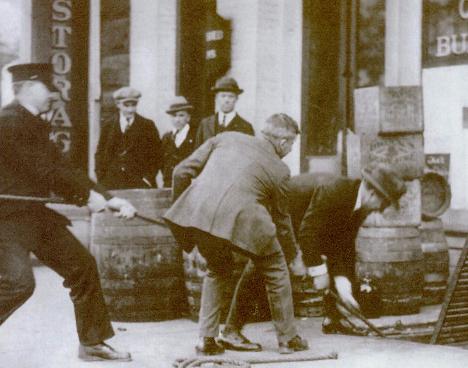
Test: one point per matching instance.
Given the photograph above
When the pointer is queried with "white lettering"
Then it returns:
(443, 46)
(63, 85)
(59, 35)
(62, 139)
(210, 54)
(62, 62)
(457, 47)
(215, 35)
(60, 117)
(462, 9)
(61, 10)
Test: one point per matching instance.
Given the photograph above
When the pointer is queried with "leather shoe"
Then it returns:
(336, 327)
(102, 351)
(208, 346)
(234, 340)
(297, 343)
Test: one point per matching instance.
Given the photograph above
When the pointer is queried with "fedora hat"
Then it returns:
(179, 103)
(227, 84)
(40, 72)
(386, 181)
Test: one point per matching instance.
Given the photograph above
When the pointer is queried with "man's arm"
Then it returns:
(191, 167)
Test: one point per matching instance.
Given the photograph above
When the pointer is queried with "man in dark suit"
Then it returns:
(226, 119)
(326, 213)
(236, 204)
(129, 153)
(32, 166)
(180, 142)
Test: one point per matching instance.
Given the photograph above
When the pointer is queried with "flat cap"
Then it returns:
(41, 72)
(126, 94)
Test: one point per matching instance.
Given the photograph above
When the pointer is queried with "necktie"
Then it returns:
(127, 127)
(224, 121)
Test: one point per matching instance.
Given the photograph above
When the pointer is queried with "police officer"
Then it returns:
(32, 166)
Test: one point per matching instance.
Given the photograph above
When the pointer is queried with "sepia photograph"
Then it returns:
(233, 183)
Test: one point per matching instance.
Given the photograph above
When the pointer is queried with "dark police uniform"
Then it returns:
(31, 165)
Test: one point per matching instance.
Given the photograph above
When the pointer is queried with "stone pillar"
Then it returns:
(403, 29)
(153, 56)
(267, 60)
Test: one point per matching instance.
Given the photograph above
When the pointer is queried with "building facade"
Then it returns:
(301, 57)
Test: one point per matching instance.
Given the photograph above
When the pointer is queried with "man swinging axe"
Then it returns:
(32, 166)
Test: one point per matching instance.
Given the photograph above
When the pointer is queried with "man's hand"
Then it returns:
(344, 290)
(322, 282)
(96, 202)
(297, 266)
(125, 208)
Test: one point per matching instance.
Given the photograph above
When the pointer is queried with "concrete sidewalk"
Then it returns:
(42, 334)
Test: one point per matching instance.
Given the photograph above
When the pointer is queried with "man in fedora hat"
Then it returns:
(240, 210)
(226, 118)
(180, 142)
(326, 213)
(31, 166)
(129, 152)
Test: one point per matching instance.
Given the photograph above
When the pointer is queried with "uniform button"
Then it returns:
(122, 168)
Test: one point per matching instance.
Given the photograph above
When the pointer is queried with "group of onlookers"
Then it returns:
(130, 152)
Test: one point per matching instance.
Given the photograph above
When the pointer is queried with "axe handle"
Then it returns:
(356, 313)
(11, 197)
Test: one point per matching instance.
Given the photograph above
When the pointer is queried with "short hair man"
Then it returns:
(236, 204)
(178, 143)
(32, 166)
(326, 213)
(129, 153)
(226, 118)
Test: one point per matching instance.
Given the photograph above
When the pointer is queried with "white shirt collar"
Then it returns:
(124, 123)
(32, 109)
(180, 135)
(358, 199)
(229, 116)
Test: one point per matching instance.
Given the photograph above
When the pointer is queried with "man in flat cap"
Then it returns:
(129, 153)
(326, 212)
(226, 118)
(32, 166)
(180, 141)
(242, 210)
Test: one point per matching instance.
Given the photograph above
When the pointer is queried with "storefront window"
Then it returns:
(370, 51)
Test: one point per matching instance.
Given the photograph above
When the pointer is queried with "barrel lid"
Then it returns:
(435, 195)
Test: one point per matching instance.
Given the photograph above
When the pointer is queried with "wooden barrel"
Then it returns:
(140, 263)
(435, 195)
(393, 259)
(436, 261)
(308, 301)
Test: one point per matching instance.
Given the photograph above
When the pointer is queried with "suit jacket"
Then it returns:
(123, 160)
(32, 165)
(173, 155)
(322, 207)
(209, 127)
(233, 187)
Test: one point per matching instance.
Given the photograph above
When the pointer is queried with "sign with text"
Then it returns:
(445, 32)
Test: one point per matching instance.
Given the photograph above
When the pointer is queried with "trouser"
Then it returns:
(62, 252)
(220, 263)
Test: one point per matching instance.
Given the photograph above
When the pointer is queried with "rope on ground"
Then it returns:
(220, 362)
(235, 363)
